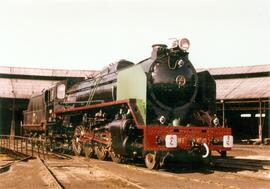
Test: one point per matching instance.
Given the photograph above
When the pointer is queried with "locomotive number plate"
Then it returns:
(227, 141)
(171, 141)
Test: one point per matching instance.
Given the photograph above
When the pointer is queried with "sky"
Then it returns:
(90, 34)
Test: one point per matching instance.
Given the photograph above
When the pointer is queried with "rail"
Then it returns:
(25, 146)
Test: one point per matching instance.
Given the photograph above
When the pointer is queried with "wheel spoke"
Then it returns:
(88, 150)
(101, 152)
(76, 146)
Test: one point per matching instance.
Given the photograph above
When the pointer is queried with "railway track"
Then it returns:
(134, 184)
(5, 167)
(179, 177)
(219, 164)
(23, 147)
(242, 164)
(56, 183)
(74, 172)
(66, 171)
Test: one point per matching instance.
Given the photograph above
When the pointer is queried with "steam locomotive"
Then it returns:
(155, 109)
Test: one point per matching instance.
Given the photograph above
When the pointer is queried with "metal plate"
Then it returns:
(171, 141)
(227, 141)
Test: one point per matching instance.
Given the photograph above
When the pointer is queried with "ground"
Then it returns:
(82, 173)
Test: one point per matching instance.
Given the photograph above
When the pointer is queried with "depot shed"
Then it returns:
(18, 84)
(243, 95)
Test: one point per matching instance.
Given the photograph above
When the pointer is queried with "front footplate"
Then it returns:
(171, 138)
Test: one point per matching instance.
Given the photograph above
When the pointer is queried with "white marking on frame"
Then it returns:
(227, 141)
(171, 141)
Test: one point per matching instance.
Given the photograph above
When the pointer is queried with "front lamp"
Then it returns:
(184, 44)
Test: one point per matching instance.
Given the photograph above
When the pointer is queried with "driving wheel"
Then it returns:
(116, 157)
(76, 146)
(101, 152)
(88, 150)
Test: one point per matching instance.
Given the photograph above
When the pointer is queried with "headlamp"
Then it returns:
(184, 44)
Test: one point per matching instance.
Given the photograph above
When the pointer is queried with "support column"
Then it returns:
(223, 113)
(260, 122)
(12, 126)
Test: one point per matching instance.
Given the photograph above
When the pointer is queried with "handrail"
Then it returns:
(33, 147)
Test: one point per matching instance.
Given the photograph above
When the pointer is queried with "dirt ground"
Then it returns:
(25, 175)
(106, 174)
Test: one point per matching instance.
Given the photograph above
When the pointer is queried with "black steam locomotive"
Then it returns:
(154, 109)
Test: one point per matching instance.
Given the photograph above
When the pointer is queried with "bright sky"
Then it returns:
(89, 34)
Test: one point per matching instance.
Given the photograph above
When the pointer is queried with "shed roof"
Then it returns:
(22, 88)
(46, 72)
(19, 82)
(241, 82)
(243, 88)
(238, 70)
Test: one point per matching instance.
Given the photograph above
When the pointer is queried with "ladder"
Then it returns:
(93, 90)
